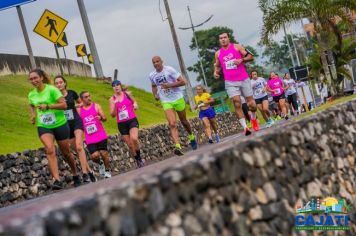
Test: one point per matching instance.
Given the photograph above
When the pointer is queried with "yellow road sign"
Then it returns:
(90, 58)
(50, 26)
(81, 50)
(62, 40)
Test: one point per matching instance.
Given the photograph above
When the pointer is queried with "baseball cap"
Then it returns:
(115, 83)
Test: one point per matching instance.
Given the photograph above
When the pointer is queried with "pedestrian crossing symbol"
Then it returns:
(50, 26)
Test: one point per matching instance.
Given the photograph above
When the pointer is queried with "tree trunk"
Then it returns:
(329, 73)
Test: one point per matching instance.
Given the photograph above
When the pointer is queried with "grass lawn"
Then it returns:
(18, 134)
(325, 106)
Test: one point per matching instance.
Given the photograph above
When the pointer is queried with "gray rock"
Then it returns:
(192, 225)
(255, 213)
(173, 220)
(270, 191)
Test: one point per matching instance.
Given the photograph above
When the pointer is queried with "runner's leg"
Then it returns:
(172, 123)
(105, 155)
(48, 142)
(68, 156)
(183, 119)
(260, 108)
(207, 127)
(80, 150)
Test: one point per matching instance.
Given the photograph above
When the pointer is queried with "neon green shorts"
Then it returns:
(178, 105)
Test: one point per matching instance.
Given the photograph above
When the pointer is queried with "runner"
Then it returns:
(206, 113)
(165, 82)
(276, 87)
(122, 106)
(96, 138)
(260, 95)
(76, 130)
(47, 105)
(232, 58)
(291, 93)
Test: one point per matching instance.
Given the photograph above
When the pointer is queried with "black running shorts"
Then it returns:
(100, 146)
(277, 98)
(260, 100)
(60, 133)
(124, 127)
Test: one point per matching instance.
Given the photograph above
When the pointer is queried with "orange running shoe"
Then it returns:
(255, 124)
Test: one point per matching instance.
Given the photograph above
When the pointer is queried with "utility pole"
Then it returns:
(196, 42)
(295, 51)
(188, 86)
(290, 50)
(25, 35)
(97, 65)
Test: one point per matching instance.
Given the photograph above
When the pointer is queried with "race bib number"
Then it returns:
(48, 119)
(91, 129)
(123, 115)
(277, 91)
(69, 114)
(167, 92)
(230, 65)
(258, 91)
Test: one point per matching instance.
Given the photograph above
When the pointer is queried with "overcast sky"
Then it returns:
(128, 33)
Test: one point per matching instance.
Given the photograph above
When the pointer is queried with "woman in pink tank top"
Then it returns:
(122, 106)
(276, 87)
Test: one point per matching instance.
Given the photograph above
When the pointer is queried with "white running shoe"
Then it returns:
(107, 174)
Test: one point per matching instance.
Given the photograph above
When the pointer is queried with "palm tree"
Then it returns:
(322, 13)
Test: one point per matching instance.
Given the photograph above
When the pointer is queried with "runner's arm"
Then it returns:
(100, 111)
(60, 105)
(112, 107)
(155, 91)
(217, 66)
(33, 114)
(180, 82)
(78, 102)
(268, 89)
(247, 56)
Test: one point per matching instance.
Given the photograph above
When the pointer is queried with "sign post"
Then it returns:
(62, 43)
(6, 4)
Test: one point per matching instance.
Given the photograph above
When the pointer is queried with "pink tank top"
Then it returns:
(93, 129)
(231, 71)
(277, 86)
(125, 109)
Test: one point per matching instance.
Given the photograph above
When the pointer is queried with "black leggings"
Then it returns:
(245, 110)
(292, 99)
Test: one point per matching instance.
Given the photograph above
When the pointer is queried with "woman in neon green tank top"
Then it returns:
(47, 112)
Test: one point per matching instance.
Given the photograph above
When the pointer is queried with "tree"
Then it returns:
(208, 44)
(322, 13)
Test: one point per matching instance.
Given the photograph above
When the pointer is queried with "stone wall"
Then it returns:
(245, 188)
(25, 175)
(20, 64)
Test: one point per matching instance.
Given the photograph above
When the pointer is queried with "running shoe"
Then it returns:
(247, 132)
(76, 181)
(178, 152)
(57, 185)
(85, 178)
(92, 177)
(255, 125)
(217, 138)
(194, 144)
(269, 122)
(211, 141)
(107, 174)
(249, 125)
(140, 163)
(101, 168)
(286, 117)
